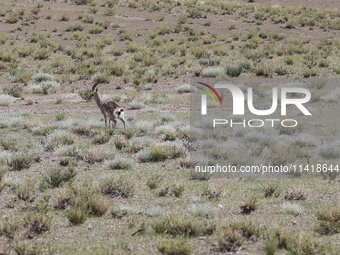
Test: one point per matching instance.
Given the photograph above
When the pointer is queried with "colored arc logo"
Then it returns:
(209, 93)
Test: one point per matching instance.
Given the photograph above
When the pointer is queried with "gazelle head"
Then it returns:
(94, 91)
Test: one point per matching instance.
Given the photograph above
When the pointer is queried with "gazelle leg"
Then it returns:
(115, 123)
(105, 121)
(123, 120)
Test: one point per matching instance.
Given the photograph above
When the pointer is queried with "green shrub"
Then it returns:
(6, 100)
(3, 38)
(40, 77)
(178, 190)
(233, 71)
(95, 29)
(65, 17)
(82, 2)
(213, 72)
(209, 62)
(12, 18)
(59, 137)
(119, 163)
(41, 54)
(110, 11)
(74, 27)
(57, 177)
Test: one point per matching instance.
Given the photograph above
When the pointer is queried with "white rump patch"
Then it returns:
(120, 116)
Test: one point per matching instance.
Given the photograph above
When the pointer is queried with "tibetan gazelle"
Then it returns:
(110, 109)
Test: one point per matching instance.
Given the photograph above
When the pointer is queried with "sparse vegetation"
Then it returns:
(61, 171)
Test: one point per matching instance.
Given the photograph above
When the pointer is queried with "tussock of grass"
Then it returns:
(293, 242)
(100, 78)
(116, 186)
(40, 77)
(329, 219)
(213, 72)
(161, 152)
(154, 181)
(77, 215)
(296, 194)
(178, 190)
(37, 223)
(59, 137)
(9, 227)
(97, 205)
(272, 190)
(175, 247)
(57, 177)
(185, 88)
(20, 160)
(6, 100)
(180, 225)
(249, 205)
(25, 190)
(120, 163)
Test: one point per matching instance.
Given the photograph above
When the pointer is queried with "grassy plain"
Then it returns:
(68, 186)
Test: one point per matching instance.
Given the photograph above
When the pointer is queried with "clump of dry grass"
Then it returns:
(117, 186)
(25, 191)
(329, 219)
(296, 194)
(77, 215)
(154, 181)
(271, 190)
(181, 225)
(293, 242)
(163, 192)
(37, 223)
(213, 193)
(92, 156)
(232, 235)
(33, 124)
(249, 205)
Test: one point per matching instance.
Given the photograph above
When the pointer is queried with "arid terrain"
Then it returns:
(70, 186)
